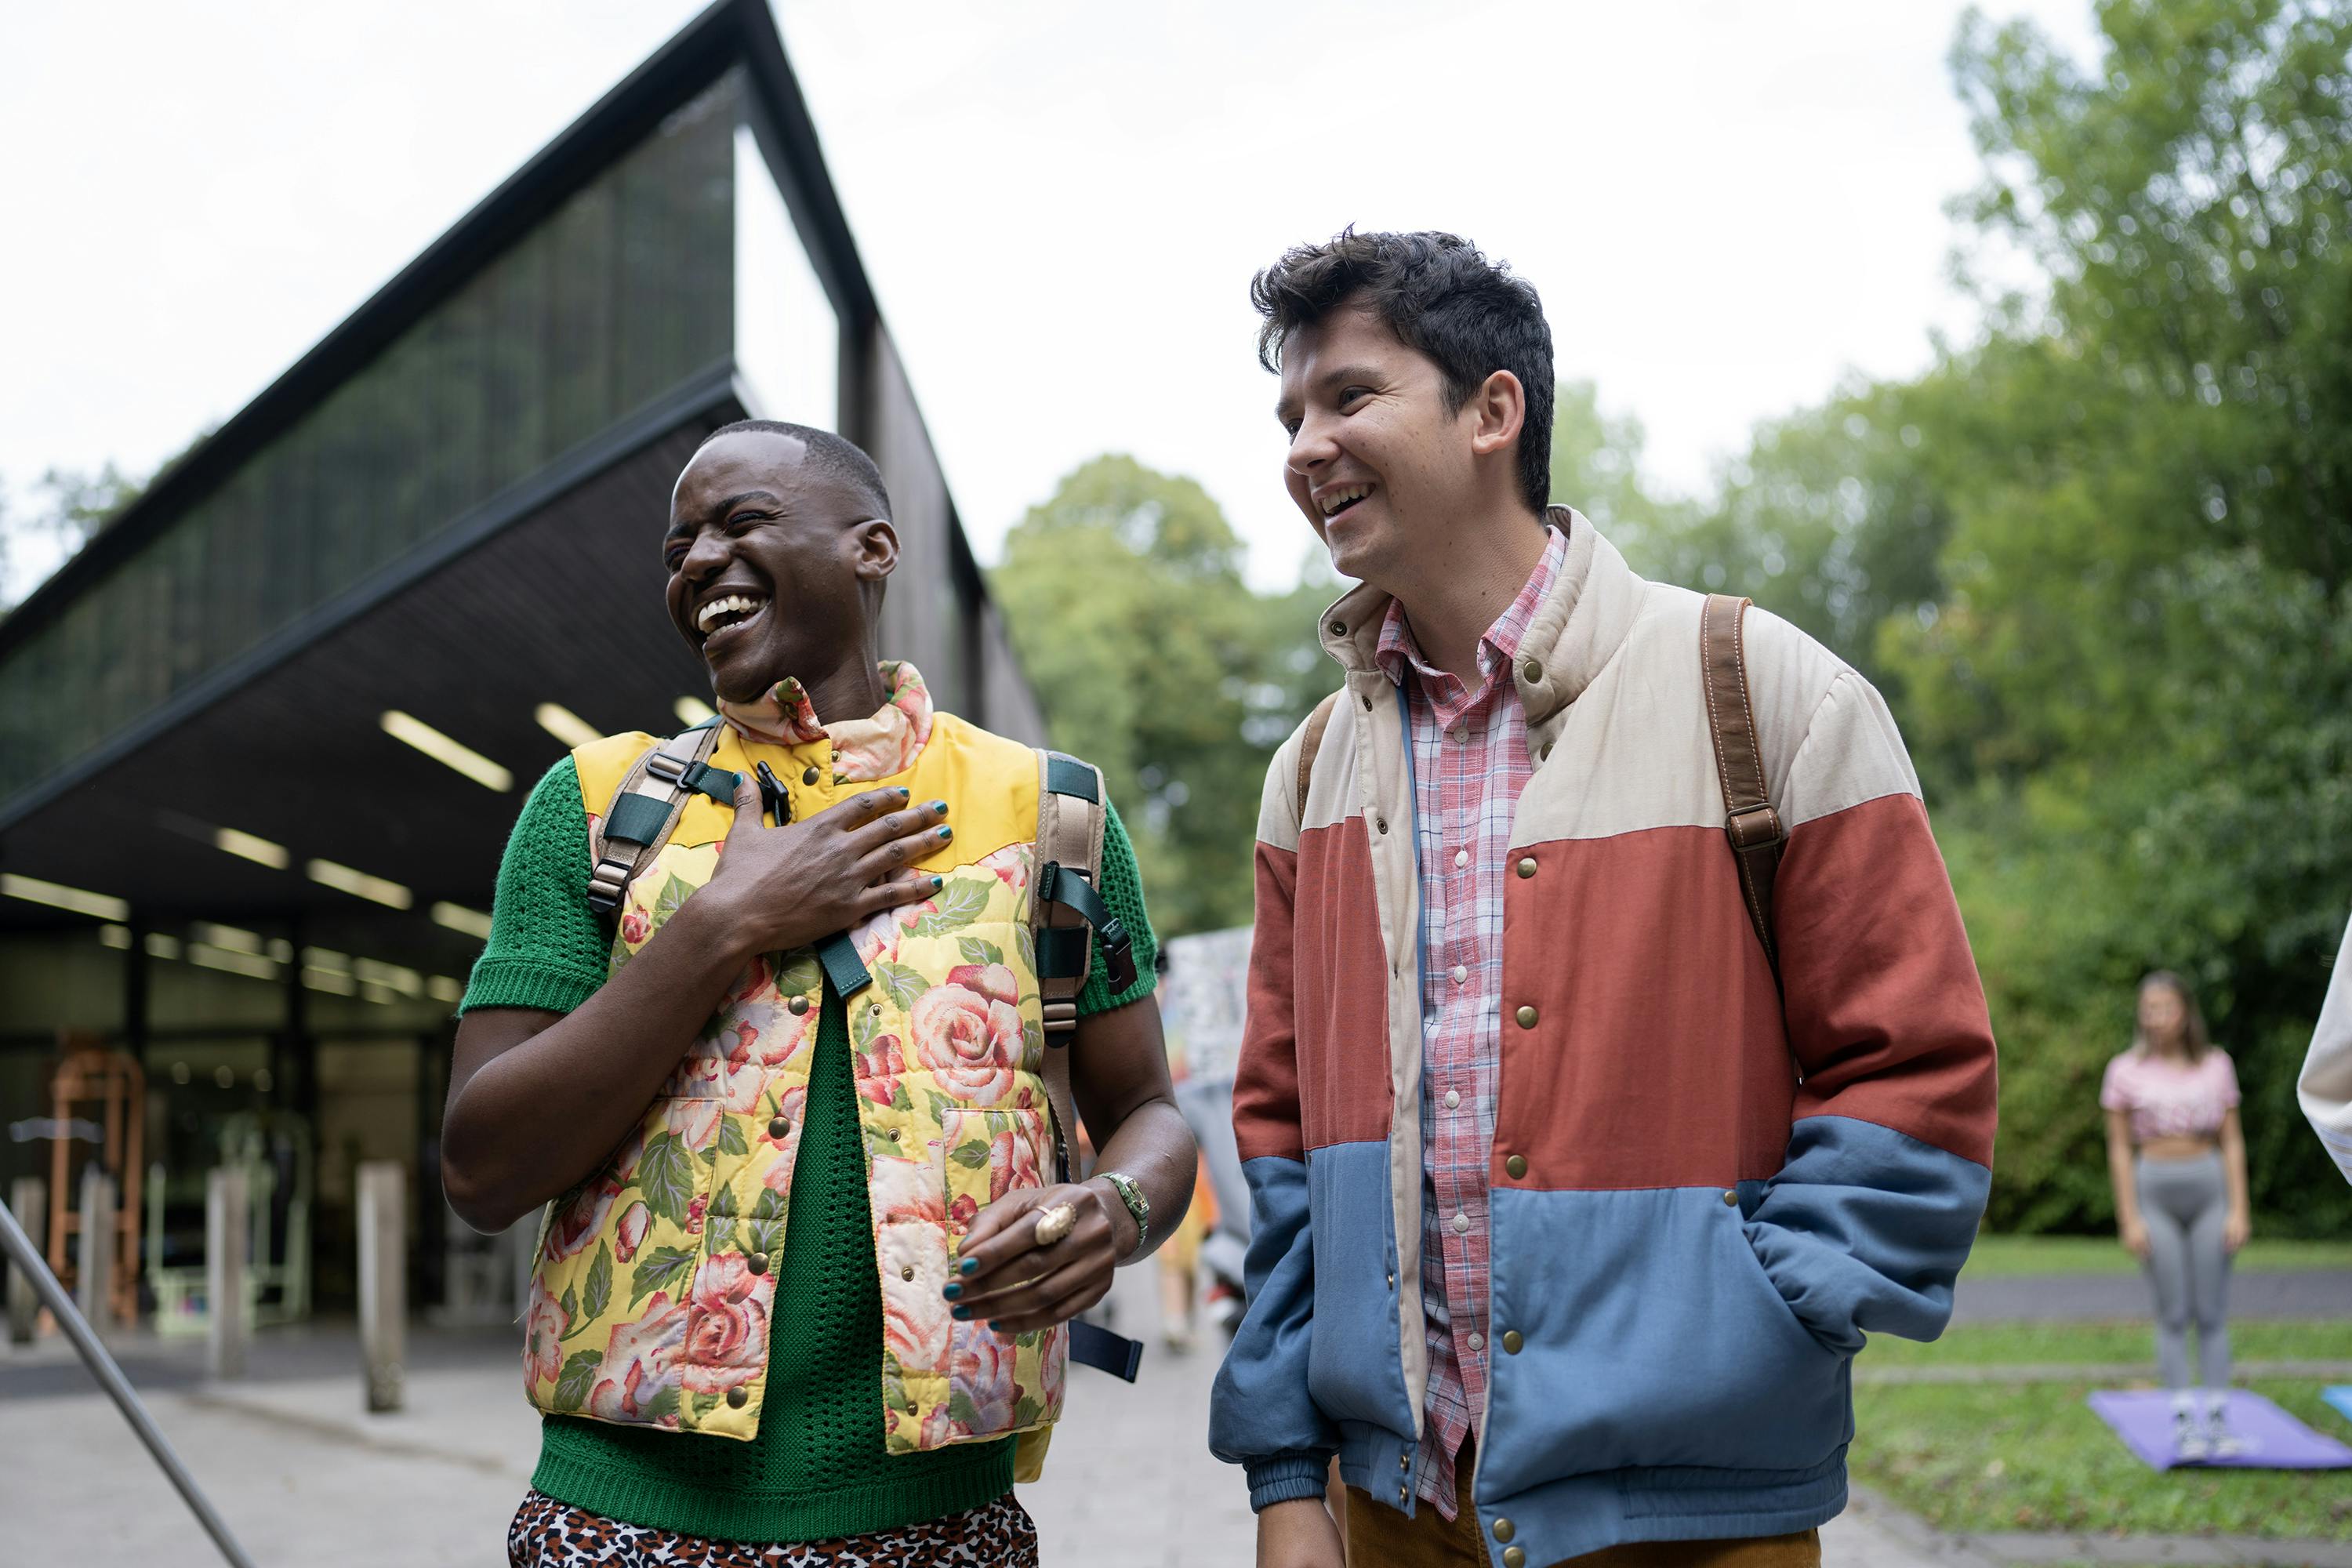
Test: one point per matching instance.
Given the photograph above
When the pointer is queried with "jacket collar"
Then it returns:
(1577, 629)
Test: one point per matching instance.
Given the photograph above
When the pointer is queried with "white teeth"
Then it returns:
(1341, 498)
(731, 605)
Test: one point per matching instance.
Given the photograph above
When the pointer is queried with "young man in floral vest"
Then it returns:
(804, 1293)
(1580, 1170)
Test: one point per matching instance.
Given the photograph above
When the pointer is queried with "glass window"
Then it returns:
(787, 333)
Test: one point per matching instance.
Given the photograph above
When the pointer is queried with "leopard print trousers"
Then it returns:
(551, 1534)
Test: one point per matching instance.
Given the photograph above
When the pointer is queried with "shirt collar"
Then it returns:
(863, 750)
(1399, 651)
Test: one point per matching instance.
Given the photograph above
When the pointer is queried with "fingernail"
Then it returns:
(938, 882)
(961, 1312)
(995, 1327)
(946, 833)
(906, 795)
(941, 806)
(970, 1266)
(952, 1291)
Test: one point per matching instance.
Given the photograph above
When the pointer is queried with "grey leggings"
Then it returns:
(2183, 1204)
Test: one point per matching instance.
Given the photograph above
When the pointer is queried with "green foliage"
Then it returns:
(1157, 663)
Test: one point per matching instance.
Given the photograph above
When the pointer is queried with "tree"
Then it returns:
(75, 505)
(1157, 662)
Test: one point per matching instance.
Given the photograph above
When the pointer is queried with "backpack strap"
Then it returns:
(644, 812)
(1750, 821)
(1311, 743)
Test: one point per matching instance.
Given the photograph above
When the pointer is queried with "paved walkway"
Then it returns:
(303, 1476)
(2310, 1293)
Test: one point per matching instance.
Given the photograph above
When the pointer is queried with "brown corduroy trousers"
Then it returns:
(1381, 1537)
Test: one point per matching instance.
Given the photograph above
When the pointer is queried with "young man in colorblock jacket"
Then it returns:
(1570, 1214)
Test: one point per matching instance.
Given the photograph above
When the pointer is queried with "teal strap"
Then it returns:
(718, 783)
(842, 965)
(1067, 775)
(1062, 952)
(636, 818)
(1057, 884)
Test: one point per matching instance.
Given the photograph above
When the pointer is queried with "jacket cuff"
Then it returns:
(1288, 1476)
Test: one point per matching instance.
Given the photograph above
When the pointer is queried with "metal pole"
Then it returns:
(383, 1281)
(226, 1214)
(30, 1199)
(109, 1377)
(94, 1277)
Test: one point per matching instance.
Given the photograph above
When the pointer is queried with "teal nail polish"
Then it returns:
(995, 1327)
(938, 882)
(952, 1291)
(941, 806)
(906, 795)
(946, 833)
(970, 1266)
(961, 1312)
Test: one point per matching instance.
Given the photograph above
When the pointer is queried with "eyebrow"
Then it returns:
(1342, 373)
(681, 527)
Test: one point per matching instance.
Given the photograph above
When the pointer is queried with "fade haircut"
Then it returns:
(835, 458)
(1443, 301)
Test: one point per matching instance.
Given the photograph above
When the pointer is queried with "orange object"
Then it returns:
(92, 1083)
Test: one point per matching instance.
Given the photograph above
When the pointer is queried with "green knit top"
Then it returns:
(817, 1470)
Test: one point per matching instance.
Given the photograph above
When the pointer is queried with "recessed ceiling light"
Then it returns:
(694, 710)
(231, 937)
(457, 917)
(565, 725)
(231, 961)
(449, 753)
(441, 988)
(57, 896)
(360, 885)
(252, 847)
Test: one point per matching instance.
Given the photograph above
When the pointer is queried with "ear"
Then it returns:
(1495, 410)
(877, 549)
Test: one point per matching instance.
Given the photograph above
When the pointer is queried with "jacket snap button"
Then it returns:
(894, 1135)
(1404, 1461)
(1400, 1497)
(1512, 1341)
(1368, 704)
(778, 1127)
(907, 1272)
(1379, 822)
(809, 777)
(1547, 752)
(1731, 1198)
(757, 1263)
(1532, 670)
(800, 1006)
(1517, 1164)
(1505, 1530)
(738, 1398)
(1338, 628)
(1512, 1557)
(1527, 867)
(1527, 1017)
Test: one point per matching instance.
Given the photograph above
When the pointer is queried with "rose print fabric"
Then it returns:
(863, 749)
(652, 1299)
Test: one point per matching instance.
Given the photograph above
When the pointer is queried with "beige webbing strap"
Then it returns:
(1070, 833)
(1748, 819)
(617, 864)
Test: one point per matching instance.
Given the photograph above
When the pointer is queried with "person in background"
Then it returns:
(2325, 1088)
(2180, 1199)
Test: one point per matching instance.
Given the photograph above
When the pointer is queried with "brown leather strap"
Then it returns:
(1748, 819)
(1309, 744)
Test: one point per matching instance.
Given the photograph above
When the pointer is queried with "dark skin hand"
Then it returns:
(539, 1100)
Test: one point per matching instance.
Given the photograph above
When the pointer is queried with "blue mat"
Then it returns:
(2339, 1397)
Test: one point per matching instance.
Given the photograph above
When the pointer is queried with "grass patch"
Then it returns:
(2031, 1456)
(1999, 1345)
(1995, 1256)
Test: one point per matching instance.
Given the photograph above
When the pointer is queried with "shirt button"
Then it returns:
(1477, 1341)
(1461, 735)
(1453, 1099)
(1461, 975)
(1461, 858)
(1461, 1222)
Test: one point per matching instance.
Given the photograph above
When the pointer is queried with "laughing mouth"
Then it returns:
(732, 610)
(1339, 503)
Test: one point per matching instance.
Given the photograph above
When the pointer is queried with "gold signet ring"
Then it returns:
(1055, 1223)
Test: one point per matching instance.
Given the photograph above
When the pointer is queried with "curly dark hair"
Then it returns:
(1443, 300)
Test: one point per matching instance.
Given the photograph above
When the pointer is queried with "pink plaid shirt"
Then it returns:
(1470, 761)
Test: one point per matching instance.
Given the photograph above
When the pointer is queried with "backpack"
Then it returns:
(1750, 821)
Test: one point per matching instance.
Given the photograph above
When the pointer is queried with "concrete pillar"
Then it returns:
(384, 1279)
(94, 1270)
(226, 1243)
(29, 1200)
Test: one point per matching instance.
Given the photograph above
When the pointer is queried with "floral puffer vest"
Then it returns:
(651, 1296)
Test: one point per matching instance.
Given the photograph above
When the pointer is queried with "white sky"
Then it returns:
(1724, 205)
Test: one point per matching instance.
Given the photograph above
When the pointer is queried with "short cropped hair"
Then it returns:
(1445, 300)
(834, 457)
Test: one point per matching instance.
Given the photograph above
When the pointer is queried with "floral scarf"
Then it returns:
(863, 749)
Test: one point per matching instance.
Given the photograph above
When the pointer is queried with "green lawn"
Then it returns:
(2003, 1344)
(1995, 1256)
(2031, 1456)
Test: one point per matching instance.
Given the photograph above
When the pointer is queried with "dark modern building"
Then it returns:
(261, 740)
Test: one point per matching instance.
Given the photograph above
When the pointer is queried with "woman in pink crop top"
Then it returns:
(2180, 1196)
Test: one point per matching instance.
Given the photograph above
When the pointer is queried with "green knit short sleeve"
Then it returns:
(1122, 890)
(547, 949)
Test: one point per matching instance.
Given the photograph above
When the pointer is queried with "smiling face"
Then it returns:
(1382, 469)
(775, 568)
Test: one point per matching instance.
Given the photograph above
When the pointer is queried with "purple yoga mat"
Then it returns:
(2273, 1439)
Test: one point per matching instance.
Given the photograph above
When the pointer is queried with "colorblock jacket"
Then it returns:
(1707, 1190)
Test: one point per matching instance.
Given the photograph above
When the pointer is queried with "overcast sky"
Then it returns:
(1726, 205)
